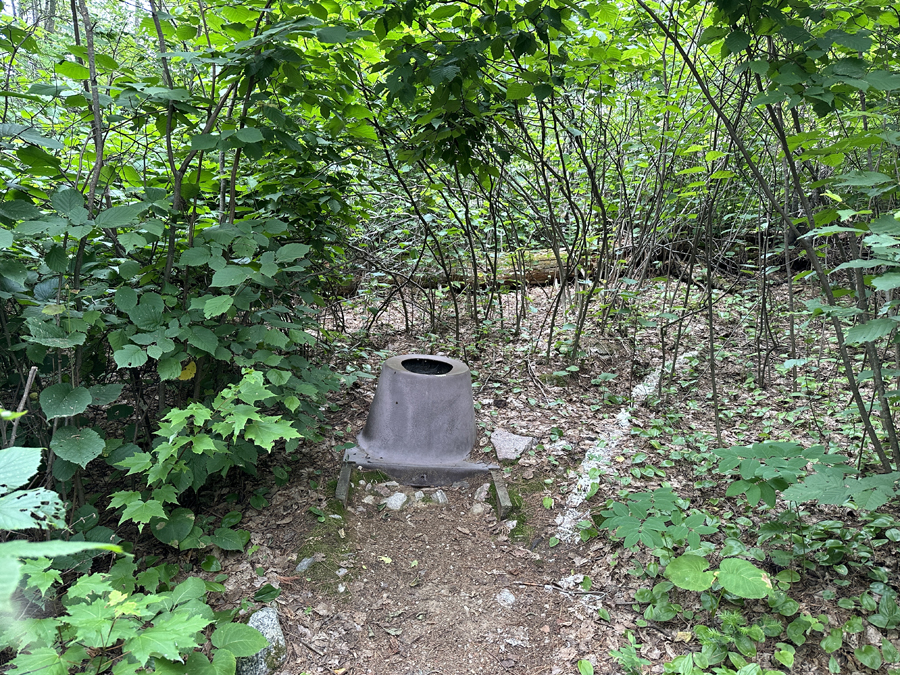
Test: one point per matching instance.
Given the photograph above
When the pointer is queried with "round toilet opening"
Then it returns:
(426, 366)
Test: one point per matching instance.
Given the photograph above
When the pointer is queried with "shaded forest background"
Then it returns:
(192, 191)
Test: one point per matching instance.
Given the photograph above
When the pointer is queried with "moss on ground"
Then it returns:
(328, 541)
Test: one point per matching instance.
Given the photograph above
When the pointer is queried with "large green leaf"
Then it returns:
(130, 356)
(17, 466)
(76, 445)
(249, 135)
(61, 400)
(25, 509)
(870, 331)
(331, 35)
(743, 579)
(67, 200)
(175, 528)
(119, 216)
(104, 394)
(148, 313)
(290, 252)
(239, 639)
(49, 335)
(689, 572)
(230, 275)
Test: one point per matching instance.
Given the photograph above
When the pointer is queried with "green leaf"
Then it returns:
(585, 667)
(886, 282)
(199, 255)
(331, 35)
(689, 572)
(869, 656)
(239, 639)
(61, 400)
(17, 466)
(18, 209)
(229, 540)
(50, 549)
(130, 356)
(230, 275)
(78, 446)
(204, 338)
(249, 135)
(175, 528)
(192, 588)
(870, 331)
(265, 432)
(737, 42)
(136, 508)
(67, 200)
(155, 641)
(743, 579)
(26, 509)
(205, 141)
(119, 216)
(833, 641)
(148, 313)
(104, 394)
(883, 80)
(169, 368)
(72, 70)
(518, 90)
(217, 305)
(266, 594)
(43, 660)
(291, 252)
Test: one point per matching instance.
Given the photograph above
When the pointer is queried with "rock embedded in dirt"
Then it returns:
(270, 659)
(481, 493)
(418, 496)
(396, 501)
(439, 497)
(509, 447)
(505, 598)
(479, 508)
(306, 563)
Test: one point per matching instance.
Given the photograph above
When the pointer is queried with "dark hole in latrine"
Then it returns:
(426, 366)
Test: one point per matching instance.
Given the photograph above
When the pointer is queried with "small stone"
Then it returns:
(306, 563)
(341, 571)
(369, 499)
(270, 659)
(391, 484)
(439, 497)
(510, 524)
(418, 496)
(506, 598)
(383, 491)
(341, 588)
(396, 501)
(479, 508)
(509, 447)
(873, 636)
(460, 485)
(481, 493)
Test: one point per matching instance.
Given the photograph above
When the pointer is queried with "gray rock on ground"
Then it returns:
(481, 494)
(440, 497)
(396, 501)
(509, 447)
(505, 598)
(271, 658)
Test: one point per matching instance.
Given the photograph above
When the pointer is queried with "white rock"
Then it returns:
(506, 598)
(439, 497)
(509, 447)
(418, 496)
(479, 508)
(510, 524)
(369, 499)
(481, 493)
(270, 659)
(396, 501)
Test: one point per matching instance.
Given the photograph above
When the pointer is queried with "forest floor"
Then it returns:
(448, 588)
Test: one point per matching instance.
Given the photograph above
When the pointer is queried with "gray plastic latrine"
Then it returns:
(421, 425)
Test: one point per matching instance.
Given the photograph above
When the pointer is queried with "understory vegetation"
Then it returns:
(200, 198)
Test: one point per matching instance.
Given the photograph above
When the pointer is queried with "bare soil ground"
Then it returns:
(447, 588)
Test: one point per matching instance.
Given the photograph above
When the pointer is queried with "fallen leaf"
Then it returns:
(683, 636)
(385, 559)
(463, 530)
(414, 563)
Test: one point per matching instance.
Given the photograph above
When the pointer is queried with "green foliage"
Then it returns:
(107, 623)
(196, 444)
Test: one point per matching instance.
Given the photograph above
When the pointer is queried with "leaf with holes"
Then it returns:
(130, 356)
